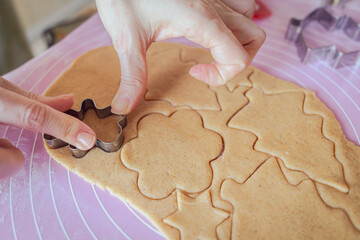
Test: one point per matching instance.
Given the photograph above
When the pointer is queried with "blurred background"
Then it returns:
(28, 27)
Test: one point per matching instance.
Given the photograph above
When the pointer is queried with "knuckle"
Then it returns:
(69, 128)
(122, 44)
(35, 116)
(133, 82)
(204, 8)
(130, 39)
(32, 95)
(216, 24)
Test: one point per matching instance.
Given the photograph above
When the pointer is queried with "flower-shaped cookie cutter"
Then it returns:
(331, 54)
(87, 104)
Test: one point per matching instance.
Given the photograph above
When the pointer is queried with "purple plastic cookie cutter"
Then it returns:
(331, 54)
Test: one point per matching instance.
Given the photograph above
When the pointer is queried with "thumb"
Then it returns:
(30, 114)
(133, 79)
(11, 159)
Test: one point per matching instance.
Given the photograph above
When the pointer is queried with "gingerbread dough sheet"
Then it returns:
(256, 158)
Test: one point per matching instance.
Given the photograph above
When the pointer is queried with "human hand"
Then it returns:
(27, 110)
(222, 26)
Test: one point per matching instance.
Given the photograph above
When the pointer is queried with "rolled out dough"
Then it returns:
(256, 158)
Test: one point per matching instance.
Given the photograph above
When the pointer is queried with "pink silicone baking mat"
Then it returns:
(45, 201)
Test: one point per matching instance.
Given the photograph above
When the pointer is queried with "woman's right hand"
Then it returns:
(223, 26)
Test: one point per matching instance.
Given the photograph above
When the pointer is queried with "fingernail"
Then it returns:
(66, 95)
(86, 140)
(120, 105)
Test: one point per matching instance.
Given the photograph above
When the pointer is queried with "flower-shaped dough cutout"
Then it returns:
(196, 217)
(172, 153)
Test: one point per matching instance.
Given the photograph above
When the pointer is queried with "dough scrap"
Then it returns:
(242, 80)
(178, 155)
(292, 176)
(239, 161)
(191, 212)
(350, 201)
(224, 230)
(178, 93)
(266, 205)
(85, 79)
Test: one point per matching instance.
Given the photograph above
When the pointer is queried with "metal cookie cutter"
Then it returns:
(331, 54)
(339, 3)
(87, 104)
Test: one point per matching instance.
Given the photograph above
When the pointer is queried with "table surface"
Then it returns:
(44, 200)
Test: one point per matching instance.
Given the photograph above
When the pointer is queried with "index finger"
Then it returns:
(20, 111)
(207, 29)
